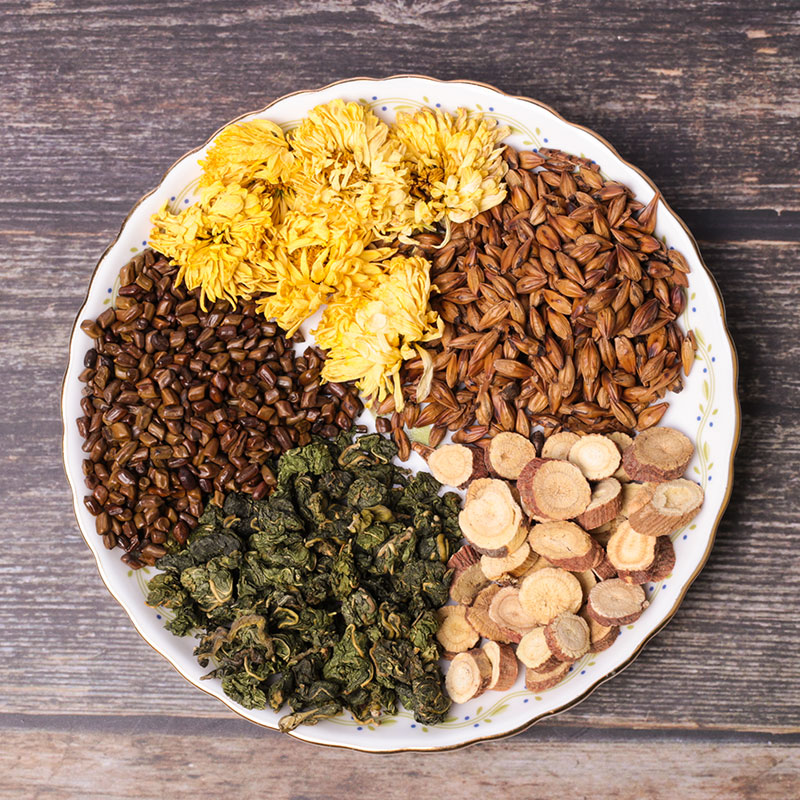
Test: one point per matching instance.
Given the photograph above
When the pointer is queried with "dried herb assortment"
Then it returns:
(519, 301)
(323, 595)
(554, 562)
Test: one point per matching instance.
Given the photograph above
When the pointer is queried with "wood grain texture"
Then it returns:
(99, 99)
(95, 766)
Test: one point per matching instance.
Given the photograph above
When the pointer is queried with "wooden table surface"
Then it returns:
(98, 99)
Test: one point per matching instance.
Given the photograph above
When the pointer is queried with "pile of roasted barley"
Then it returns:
(561, 310)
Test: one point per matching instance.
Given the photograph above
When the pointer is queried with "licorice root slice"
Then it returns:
(662, 566)
(634, 496)
(630, 551)
(541, 563)
(559, 444)
(507, 612)
(596, 456)
(614, 602)
(553, 489)
(478, 617)
(622, 441)
(477, 487)
(601, 636)
(604, 505)
(546, 593)
(540, 681)
(511, 566)
(565, 544)
(455, 633)
(567, 637)
(466, 584)
(469, 675)
(516, 542)
(603, 532)
(504, 666)
(527, 565)
(492, 519)
(665, 560)
(672, 505)
(464, 557)
(534, 652)
(508, 453)
(587, 579)
(658, 454)
(456, 464)
(605, 569)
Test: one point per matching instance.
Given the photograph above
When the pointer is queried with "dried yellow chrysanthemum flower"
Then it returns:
(248, 151)
(455, 163)
(291, 218)
(310, 262)
(347, 168)
(370, 335)
(220, 242)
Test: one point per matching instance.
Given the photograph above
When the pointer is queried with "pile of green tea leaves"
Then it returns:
(322, 596)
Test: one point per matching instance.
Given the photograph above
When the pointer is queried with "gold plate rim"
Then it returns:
(725, 501)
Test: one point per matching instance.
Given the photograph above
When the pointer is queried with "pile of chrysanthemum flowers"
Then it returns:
(312, 218)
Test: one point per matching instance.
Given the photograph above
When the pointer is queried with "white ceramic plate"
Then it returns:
(707, 411)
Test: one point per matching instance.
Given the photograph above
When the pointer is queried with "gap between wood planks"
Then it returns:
(231, 726)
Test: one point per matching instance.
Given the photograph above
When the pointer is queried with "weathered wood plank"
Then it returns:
(44, 764)
(704, 97)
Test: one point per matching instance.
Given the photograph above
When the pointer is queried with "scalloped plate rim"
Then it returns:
(307, 734)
